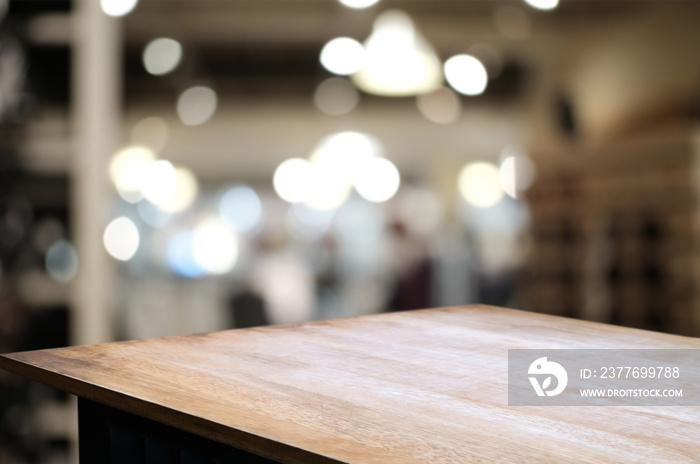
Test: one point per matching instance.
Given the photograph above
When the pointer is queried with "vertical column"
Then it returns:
(96, 74)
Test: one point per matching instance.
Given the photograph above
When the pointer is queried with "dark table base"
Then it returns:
(111, 436)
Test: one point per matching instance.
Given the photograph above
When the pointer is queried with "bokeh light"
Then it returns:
(162, 56)
(214, 246)
(480, 185)
(377, 180)
(399, 61)
(543, 4)
(343, 56)
(61, 261)
(180, 256)
(358, 4)
(196, 105)
(441, 106)
(241, 209)
(117, 8)
(347, 147)
(127, 169)
(346, 151)
(337, 159)
(150, 132)
(516, 172)
(158, 182)
(183, 194)
(121, 238)
(466, 74)
(295, 180)
(336, 96)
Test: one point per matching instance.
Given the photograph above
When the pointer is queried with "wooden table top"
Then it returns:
(415, 386)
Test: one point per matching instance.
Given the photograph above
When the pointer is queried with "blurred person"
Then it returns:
(413, 285)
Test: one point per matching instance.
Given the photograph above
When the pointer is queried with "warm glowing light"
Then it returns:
(184, 193)
(127, 169)
(343, 56)
(377, 180)
(338, 159)
(466, 74)
(295, 180)
(326, 181)
(161, 56)
(516, 173)
(399, 62)
(479, 184)
(180, 256)
(336, 96)
(359, 4)
(150, 132)
(117, 7)
(543, 4)
(196, 105)
(214, 247)
(158, 182)
(121, 238)
(346, 150)
(241, 209)
(441, 106)
(61, 261)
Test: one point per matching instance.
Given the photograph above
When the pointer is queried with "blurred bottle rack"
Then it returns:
(613, 235)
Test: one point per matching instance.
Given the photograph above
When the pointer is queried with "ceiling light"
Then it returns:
(399, 61)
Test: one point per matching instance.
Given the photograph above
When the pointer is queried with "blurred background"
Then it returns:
(179, 166)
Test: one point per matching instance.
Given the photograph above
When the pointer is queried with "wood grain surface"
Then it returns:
(418, 386)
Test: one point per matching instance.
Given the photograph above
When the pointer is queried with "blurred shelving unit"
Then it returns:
(613, 227)
(47, 176)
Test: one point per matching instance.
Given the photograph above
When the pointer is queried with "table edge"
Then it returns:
(227, 435)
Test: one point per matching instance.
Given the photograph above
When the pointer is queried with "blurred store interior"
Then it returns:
(180, 166)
